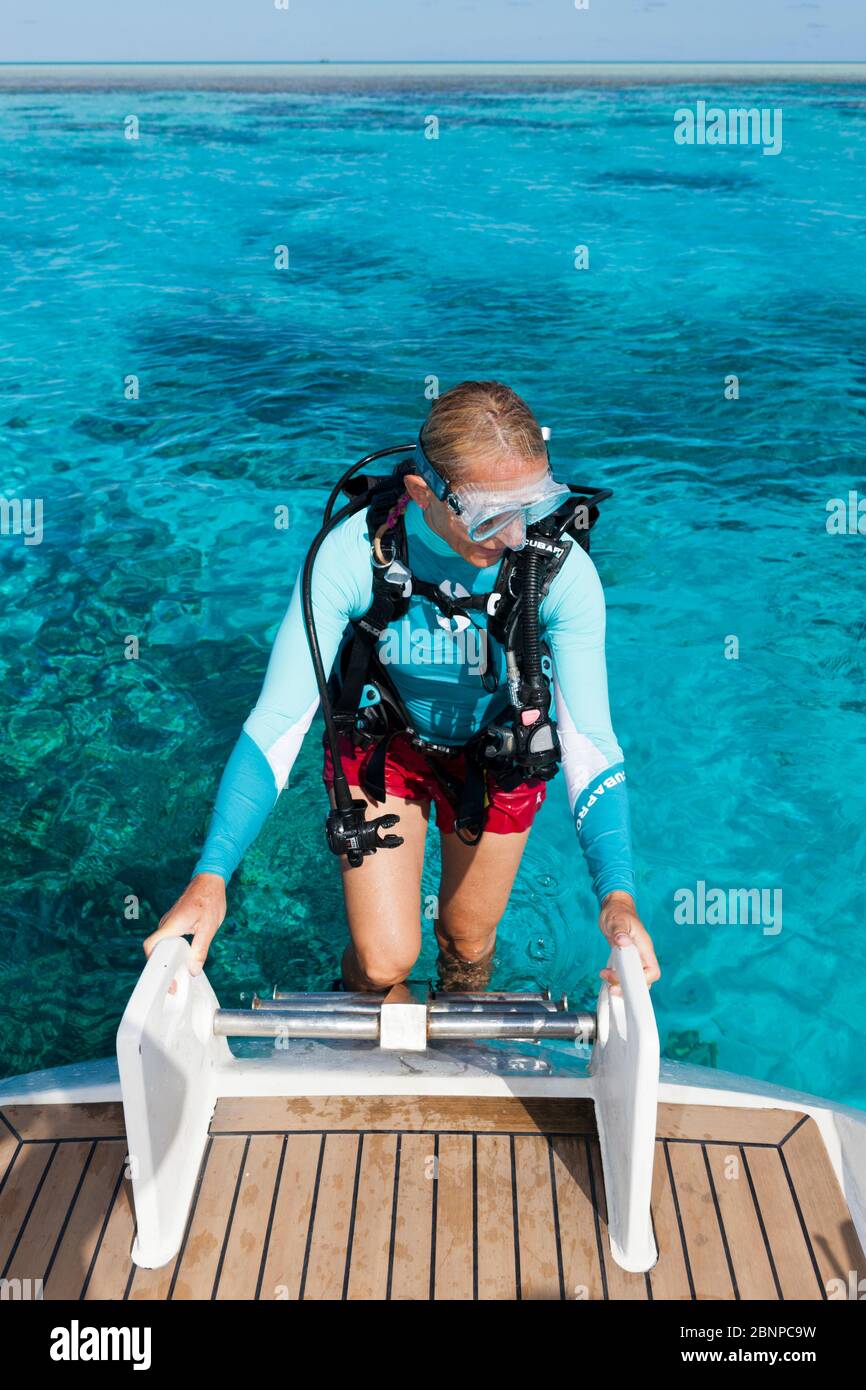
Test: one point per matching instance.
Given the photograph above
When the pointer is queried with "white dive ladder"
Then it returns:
(175, 1064)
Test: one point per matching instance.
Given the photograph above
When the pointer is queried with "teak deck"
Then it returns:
(427, 1197)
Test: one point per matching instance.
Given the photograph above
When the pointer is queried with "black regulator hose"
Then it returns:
(356, 468)
(531, 673)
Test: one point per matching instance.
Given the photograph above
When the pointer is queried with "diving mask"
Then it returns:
(489, 510)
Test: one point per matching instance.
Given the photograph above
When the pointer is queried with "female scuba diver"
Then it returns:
(445, 606)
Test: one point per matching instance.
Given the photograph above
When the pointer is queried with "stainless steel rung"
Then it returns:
(545, 1023)
(366, 1004)
(443, 1025)
(322, 1003)
(343, 998)
(494, 996)
(348, 999)
(290, 1023)
(459, 1004)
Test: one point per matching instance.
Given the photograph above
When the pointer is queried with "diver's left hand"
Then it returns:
(621, 926)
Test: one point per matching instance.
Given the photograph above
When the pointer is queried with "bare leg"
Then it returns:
(383, 901)
(476, 885)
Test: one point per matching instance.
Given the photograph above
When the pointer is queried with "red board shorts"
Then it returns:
(409, 775)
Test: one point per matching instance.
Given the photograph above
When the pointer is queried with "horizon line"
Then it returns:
(430, 62)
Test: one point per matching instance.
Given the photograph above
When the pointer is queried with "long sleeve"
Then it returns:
(262, 759)
(573, 620)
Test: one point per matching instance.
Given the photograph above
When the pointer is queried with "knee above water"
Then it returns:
(382, 971)
(469, 948)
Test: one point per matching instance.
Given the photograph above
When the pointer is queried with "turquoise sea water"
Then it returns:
(411, 258)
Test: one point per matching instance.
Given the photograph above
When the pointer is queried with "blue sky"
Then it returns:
(367, 30)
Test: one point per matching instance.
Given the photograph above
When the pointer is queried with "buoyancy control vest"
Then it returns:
(519, 742)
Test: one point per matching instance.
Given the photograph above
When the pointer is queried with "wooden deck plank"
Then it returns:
(704, 1244)
(724, 1123)
(473, 1114)
(832, 1234)
(201, 1252)
(49, 1211)
(669, 1278)
(309, 1211)
(497, 1276)
(369, 1256)
(152, 1285)
(539, 1259)
(581, 1262)
(287, 1245)
(19, 1192)
(326, 1266)
(94, 1120)
(242, 1257)
(112, 1266)
(620, 1284)
(78, 1243)
(454, 1218)
(788, 1245)
(413, 1232)
(8, 1148)
(753, 1269)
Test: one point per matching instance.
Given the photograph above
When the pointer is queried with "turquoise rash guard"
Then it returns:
(436, 665)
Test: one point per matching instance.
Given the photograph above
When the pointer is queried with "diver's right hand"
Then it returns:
(198, 912)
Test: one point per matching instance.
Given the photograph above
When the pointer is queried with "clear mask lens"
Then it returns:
(502, 523)
(506, 513)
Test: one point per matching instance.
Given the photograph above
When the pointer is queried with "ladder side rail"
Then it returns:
(624, 1068)
(167, 1054)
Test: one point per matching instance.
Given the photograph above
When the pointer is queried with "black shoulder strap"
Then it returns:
(579, 514)
(387, 603)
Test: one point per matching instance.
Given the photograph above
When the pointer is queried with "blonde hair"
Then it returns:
(480, 422)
